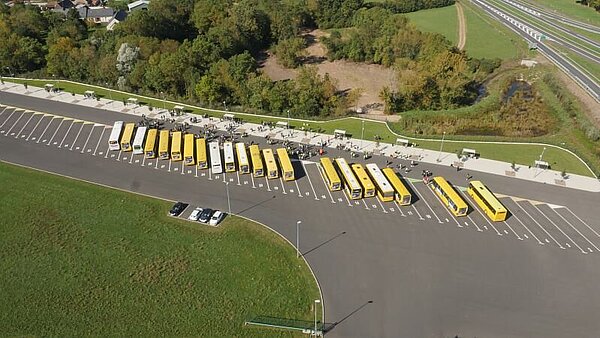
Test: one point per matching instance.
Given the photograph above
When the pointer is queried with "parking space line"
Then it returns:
(559, 229)
(282, 186)
(195, 175)
(267, 180)
(485, 217)
(26, 123)
(365, 203)
(298, 188)
(56, 131)
(414, 188)
(99, 140)
(523, 224)
(11, 114)
(584, 223)
(3, 110)
(44, 132)
(157, 160)
(35, 127)
(119, 155)
(574, 228)
(144, 162)
(182, 167)
(88, 139)
(252, 179)
(14, 124)
(76, 137)
(474, 223)
(381, 204)
(66, 134)
(324, 183)
(415, 209)
(224, 177)
(511, 229)
(169, 170)
(238, 178)
(310, 181)
(541, 227)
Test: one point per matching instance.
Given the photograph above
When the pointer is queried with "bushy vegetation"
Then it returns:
(431, 73)
(595, 4)
(407, 6)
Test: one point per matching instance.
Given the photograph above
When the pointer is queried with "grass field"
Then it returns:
(487, 38)
(81, 260)
(505, 152)
(570, 8)
(437, 20)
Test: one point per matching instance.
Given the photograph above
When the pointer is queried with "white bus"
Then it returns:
(115, 136)
(138, 140)
(215, 157)
(385, 191)
(242, 156)
(229, 157)
(353, 188)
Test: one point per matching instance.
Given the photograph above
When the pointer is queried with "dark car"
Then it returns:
(177, 209)
(205, 215)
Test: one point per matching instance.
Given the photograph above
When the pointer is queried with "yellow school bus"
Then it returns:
(176, 146)
(402, 194)
(272, 170)
(351, 185)
(487, 201)
(385, 191)
(242, 156)
(331, 176)
(126, 138)
(188, 149)
(163, 145)
(449, 197)
(257, 163)
(201, 157)
(365, 181)
(150, 146)
(287, 170)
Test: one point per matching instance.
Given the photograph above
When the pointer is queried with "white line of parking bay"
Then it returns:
(88, 138)
(310, 181)
(76, 137)
(584, 223)
(56, 131)
(14, 124)
(559, 229)
(66, 134)
(9, 116)
(541, 227)
(414, 188)
(574, 228)
(35, 127)
(45, 129)
(26, 123)
(99, 140)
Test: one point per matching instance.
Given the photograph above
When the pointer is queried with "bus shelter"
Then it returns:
(339, 133)
(228, 117)
(89, 94)
(282, 124)
(469, 152)
(49, 87)
(402, 142)
(132, 100)
(542, 164)
(178, 110)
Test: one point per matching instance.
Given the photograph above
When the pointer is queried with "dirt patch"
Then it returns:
(462, 27)
(370, 78)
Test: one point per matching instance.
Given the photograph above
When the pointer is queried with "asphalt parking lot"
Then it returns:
(426, 272)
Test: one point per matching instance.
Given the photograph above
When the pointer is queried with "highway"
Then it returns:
(384, 271)
(557, 17)
(591, 86)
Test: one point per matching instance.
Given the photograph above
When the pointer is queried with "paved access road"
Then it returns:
(385, 271)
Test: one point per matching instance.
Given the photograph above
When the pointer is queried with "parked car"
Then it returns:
(177, 209)
(216, 218)
(205, 215)
(195, 214)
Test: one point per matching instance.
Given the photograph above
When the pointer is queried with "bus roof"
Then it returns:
(487, 195)
(395, 181)
(454, 196)
(347, 173)
(361, 174)
(378, 177)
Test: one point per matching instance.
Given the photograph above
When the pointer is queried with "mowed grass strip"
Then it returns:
(81, 260)
(571, 9)
(441, 20)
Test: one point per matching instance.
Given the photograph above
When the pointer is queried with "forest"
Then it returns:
(206, 52)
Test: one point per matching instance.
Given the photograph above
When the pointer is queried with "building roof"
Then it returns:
(138, 3)
(95, 12)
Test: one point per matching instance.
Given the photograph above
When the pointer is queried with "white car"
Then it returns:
(216, 218)
(195, 214)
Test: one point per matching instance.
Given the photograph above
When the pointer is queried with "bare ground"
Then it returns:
(370, 78)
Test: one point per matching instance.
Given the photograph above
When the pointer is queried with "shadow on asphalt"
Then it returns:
(328, 327)
(256, 205)
(320, 245)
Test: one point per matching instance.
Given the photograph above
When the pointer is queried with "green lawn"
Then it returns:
(81, 260)
(437, 20)
(570, 8)
(487, 38)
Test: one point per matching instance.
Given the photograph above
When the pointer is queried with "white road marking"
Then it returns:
(490, 223)
(310, 181)
(88, 138)
(511, 229)
(35, 127)
(56, 131)
(381, 204)
(238, 177)
(3, 110)
(9, 116)
(324, 182)
(541, 227)
(144, 159)
(298, 188)
(559, 229)
(14, 124)
(48, 125)
(268, 187)
(99, 140)
(584, 223)
(365, 203)
(282, 186)
(77, 136)
(252, 179)
(169, 170)
(66, 134)
(26, 123)
(414, 188)
(415, 209)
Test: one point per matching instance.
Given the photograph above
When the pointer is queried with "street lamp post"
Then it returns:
(109, 93)
(164, 103)
(228, 200)
(317, 301)
(362, 133)
(288, 122)
(224, 105)
(298, 239)
(441, 147)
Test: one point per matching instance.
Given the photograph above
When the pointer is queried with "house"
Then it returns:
(138, 5)
(99, 15)
(118, 17)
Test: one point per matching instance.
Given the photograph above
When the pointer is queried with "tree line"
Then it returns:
(206, 51)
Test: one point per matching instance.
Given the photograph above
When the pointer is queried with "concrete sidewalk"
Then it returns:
(393, 151)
